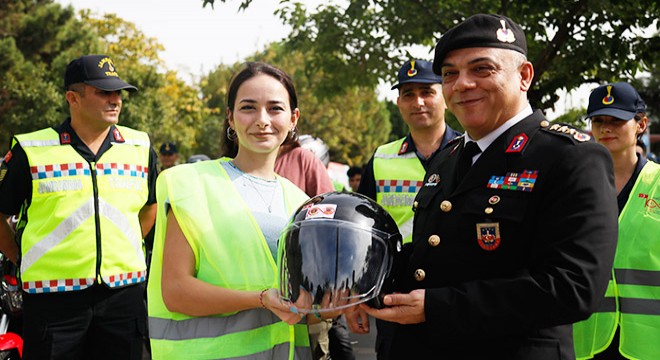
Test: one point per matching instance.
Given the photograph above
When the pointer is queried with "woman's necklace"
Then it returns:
(251, 180)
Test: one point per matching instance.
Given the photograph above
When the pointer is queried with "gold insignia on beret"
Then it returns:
(504, 34)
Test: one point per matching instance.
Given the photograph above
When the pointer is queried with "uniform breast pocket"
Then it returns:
(498, 220)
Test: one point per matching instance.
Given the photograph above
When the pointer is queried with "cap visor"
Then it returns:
(616, 113)
(111, 84)
(418, 81)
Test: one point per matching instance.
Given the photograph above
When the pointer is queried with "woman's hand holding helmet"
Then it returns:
(271, 300)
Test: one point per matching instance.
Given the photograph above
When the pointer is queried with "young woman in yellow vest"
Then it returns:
(212, 289)
(627, 324)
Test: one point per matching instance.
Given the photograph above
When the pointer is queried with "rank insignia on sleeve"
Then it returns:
(7, 156)
(514, 181)
(488, 236)
(517, 144)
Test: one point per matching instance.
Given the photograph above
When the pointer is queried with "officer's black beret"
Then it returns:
(481, 30)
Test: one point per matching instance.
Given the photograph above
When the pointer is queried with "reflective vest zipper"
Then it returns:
(97, 221)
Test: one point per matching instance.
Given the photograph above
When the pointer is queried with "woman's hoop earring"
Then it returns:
(292, 133)
(231, 134)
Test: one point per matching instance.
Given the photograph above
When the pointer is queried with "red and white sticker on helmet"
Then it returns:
(321, 211)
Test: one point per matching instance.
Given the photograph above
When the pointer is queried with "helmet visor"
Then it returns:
(329, 265)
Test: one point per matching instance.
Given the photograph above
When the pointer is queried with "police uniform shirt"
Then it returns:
(509, 257)
(368, 181)
(16, 186)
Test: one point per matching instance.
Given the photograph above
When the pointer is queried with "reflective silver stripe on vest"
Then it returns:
(37, 143)
(639, 306)
(133, 142)
(117, 218)
(71, 223)
(66, 227)
(408, 155)
(608, 304)
(209, 327)
(637, 277)
(406, 228)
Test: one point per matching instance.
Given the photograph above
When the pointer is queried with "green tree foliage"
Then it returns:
(352, 123)
(38, 38)
(570, 42)
(575, 117)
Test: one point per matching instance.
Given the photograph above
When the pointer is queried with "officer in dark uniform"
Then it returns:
(516, 223)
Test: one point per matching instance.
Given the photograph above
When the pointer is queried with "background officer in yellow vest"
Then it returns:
(85, 194)
(627, 323)
(395, 172)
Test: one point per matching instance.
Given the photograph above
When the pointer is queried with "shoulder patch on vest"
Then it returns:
(567, 131)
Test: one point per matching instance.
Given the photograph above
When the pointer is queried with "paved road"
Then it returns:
(363, 345)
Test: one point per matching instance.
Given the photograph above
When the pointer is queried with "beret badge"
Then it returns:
(504, 34)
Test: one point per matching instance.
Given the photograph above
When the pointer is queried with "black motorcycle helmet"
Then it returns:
(338, 250)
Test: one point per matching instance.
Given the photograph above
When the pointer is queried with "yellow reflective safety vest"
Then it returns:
(399, 175)
(632, 300)
(82, 223)
(231, 252)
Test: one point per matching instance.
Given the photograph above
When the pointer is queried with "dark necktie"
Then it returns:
(465, 160)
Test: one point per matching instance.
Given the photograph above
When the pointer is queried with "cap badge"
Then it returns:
(488, 235)
(412, 72)
(504, 34)
(609, 99)
(111, 67)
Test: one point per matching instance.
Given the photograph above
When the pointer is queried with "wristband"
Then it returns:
(261, 298)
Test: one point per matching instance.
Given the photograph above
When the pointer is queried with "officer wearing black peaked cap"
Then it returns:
(515, 224)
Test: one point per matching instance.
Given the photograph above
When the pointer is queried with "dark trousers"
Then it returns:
(340, 343)
(95, 323)
(384, 338)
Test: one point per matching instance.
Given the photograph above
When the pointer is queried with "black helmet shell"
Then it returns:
(338, 250)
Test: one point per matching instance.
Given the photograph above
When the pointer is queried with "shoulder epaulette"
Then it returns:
(568, 131)
(455, 140)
